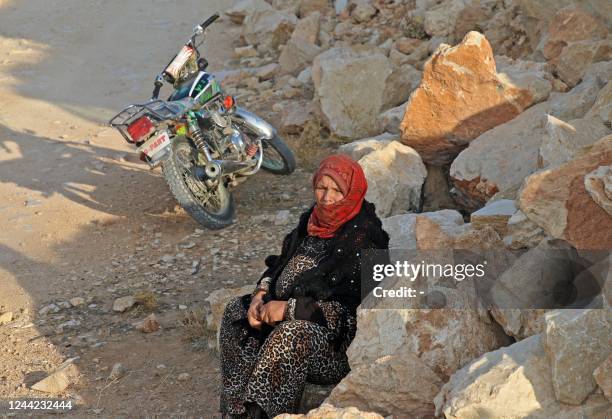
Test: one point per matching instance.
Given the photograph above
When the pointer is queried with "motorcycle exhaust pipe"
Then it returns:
(214, 169)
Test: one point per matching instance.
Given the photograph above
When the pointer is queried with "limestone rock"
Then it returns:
(446, 112)
(525, 75)
(474, 16)
(568, 25)
(305, 76)
(400, 84)
(118, 371)
(576, 342)
(407, 45)
(577, 57)
(343, 78)
(288, 6)
(522, 232)
(558, 201)
(246, 7)
(603, 377)
(327, 411)
(56, 382)
(6, 318)
(543, 11)
(307, 28)
(499, 159)
(431, 235)
(391, 119)
(532, 138)
(437, 230)
(297, 55)
(495, 215)
(520, 323)
(598, 184)
(440, 20)
(124, 303)
(215, 305)
(245, 52)
(363, 11)
(511, 382)
(565, 139)
(295, 115)
(399, 384)
(580, 101)
(507, 33)
(77, 301)
(443, 339)
(602, 108)
(282, 218)
(312, 6)
(522, 294)
(267, 72)
(416, 58)
(395, 176)
(358, 149)
(529, 279)
(148, 325)
(402, 228)
(268, 29)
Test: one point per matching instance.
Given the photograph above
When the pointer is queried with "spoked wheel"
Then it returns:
(277, 157)
(213, 207)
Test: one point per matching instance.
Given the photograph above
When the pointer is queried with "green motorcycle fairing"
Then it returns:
(206, 88)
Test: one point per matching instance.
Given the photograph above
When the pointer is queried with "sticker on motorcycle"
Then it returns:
(155, 145)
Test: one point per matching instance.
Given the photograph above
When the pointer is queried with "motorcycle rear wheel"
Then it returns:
(212, 208)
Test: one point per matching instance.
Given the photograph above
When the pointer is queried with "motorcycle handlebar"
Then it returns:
(209, 21)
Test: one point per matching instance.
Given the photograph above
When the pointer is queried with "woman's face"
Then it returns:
(327, 191)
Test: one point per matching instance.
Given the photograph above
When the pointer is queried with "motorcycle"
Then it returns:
(205, 144)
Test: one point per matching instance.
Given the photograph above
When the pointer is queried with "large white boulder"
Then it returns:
(565, 139)
(400, 358)
(511, 382)
(268, 29)
(557, 200)
(395, 177)
(360, 148)
(577, 342)
(349, 89)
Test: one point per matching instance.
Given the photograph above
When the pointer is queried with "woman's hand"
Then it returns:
(273, 311)
(253, 315)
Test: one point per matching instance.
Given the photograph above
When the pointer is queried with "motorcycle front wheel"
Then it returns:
(212, 207)
(277, 156)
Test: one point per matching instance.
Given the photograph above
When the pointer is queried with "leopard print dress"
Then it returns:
(273, 373)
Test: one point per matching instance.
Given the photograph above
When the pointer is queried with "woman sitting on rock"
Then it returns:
(297, 324)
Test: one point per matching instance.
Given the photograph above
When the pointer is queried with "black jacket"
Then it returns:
(338, 277)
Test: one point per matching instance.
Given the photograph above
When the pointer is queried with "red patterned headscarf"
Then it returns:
(325, 220)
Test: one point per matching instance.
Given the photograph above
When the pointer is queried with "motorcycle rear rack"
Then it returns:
(159, 109)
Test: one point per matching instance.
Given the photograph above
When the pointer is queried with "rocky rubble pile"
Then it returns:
(479, 125)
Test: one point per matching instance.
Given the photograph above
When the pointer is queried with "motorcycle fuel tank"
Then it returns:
(202, 87)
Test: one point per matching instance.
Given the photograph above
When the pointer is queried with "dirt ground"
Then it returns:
(81, 216)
